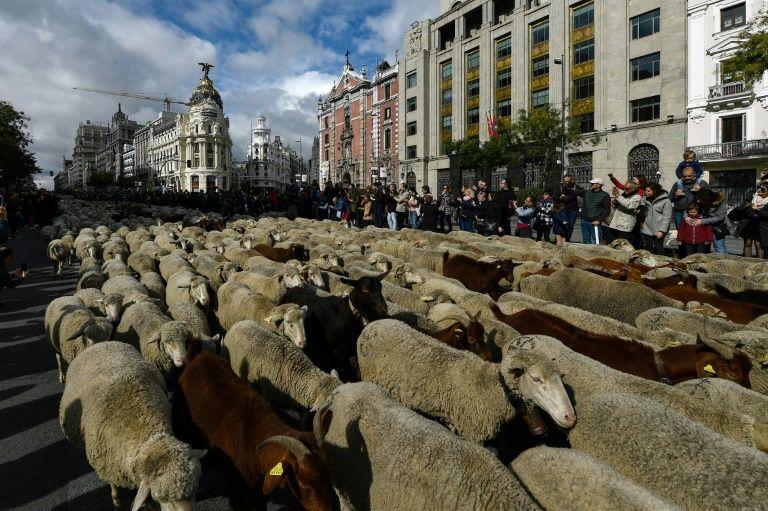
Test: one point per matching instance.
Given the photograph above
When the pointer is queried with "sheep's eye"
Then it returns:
(536, 379)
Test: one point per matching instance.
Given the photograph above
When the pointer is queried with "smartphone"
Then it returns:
(23, 267)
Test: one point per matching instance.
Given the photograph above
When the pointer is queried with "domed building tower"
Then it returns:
(205, 139)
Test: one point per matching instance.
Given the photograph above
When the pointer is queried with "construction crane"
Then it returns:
(165, 99)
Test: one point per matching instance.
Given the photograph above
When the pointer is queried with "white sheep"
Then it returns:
(71, 327)
(60, 255)
(187, 287)
(109, 306)
(115, 406)
(277, 366)
(384, 456)
(161, 340)
(474, 396)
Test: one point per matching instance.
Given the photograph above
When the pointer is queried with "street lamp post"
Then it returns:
(561, 62)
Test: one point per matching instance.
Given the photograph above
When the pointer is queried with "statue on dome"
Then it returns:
(206, 67)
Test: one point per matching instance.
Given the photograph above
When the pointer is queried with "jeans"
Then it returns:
(378, 215)
(413, 219)
(467, 224)
(718, 246)
(571, 224)
(588, 233)
(392, 220)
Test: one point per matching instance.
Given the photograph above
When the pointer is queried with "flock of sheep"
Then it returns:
(377, 377)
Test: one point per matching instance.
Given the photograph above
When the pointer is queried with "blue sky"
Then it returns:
(271, 56)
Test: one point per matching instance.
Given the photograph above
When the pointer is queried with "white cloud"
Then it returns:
(272, 57)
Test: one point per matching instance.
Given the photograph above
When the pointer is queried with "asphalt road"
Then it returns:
(39, 469)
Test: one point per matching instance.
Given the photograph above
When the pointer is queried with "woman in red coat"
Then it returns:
(694, 238)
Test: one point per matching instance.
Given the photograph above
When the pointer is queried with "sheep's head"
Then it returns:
(97, 331)
(366, 298)
(643, 257)
(173, 342)
(291, 277)
(302, 471)
(717, 360)
(380, 262)
(170, 471)
(288, 319)
(198, 289)
(112, 306)
(405, 275)
(328, 259)
(533, 378)
(299, 252)
(312, 274)
(225, 270)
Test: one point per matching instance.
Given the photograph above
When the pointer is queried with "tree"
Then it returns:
(17, 163)
(101, 180)
(751, 59)
(536, 136)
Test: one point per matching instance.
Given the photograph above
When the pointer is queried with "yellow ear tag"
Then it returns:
(708, 368)
(277, 470)
(680, 283)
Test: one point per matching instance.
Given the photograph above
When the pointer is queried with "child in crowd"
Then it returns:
(694, 237)
(689, 160)
(559, 222)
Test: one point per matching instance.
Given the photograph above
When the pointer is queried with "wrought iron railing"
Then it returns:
(732, 149)
(726, 90)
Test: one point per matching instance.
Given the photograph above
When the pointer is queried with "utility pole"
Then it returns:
(561, 62)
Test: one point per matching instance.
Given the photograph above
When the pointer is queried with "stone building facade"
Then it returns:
(728, 125)
(272, 165)
(359, 128)
(90, 140)
(120, 134)
(193, 151)
(624, 68)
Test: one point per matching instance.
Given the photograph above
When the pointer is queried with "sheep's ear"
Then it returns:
(428, 298)
(304, 308)
(141, 496)
(197, 453)
(476, 317)
(348, 281)
(275, 320)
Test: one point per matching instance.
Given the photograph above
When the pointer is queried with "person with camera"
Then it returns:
(570, 203)
(10, 279)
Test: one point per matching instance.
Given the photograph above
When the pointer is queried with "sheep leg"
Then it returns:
(62, 366)
(115, 496)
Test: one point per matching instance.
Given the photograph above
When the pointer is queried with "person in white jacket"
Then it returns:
(625, 209)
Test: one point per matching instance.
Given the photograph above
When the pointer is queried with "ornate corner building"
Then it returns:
(621, 65)
(359, 128)
(728, 118)
(190, 151)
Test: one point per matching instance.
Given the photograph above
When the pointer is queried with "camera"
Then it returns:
(24, 267)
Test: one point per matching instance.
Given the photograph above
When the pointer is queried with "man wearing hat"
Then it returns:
(594, 210)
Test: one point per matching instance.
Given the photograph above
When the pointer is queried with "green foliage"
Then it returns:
(751, 59)
(101, 179)
(537, 136)
(534, 192)
(126, 182)
(16, 161)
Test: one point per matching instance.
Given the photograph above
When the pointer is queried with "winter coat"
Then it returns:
(596, 206)
(693, 234)
(716, 217)
(429, 214)
(624, 218)
(571, 200)
(559, 228)
(659, 215)
(483, 210)
(525, 215)
(467, 208)
(544, 214)
(402, 201)
(682, 203)
(447, 204)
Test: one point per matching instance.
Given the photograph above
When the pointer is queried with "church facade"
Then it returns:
(358, 128)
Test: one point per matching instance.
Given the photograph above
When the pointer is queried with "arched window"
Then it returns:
(644, 161)
(346, 178)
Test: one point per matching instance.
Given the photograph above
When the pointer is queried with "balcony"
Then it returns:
(729, 95)
(743, 149)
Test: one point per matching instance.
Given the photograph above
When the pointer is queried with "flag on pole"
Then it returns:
(493, 127)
